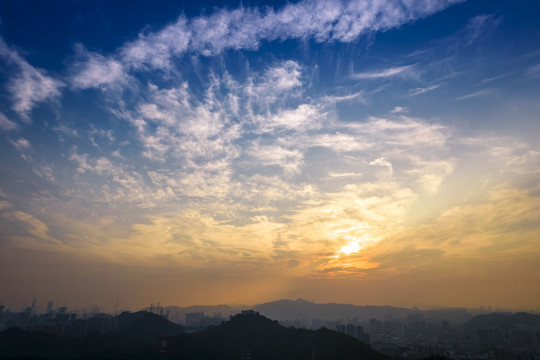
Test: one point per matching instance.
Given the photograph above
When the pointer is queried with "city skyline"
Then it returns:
(36, 307)
(366, 152)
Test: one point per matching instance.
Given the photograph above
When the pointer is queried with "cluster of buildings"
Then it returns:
(415, 338)
(355, 331)
(58, 321)
(197, 320)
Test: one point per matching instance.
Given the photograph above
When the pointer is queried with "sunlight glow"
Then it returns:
(355, 245)
(350, 248)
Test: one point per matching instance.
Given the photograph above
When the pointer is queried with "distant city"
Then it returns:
(453, 333)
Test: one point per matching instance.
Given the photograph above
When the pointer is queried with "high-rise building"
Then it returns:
(194, 319)
(49, 307)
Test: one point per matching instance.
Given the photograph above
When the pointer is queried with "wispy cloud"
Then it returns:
(30, 85)
(46, 172)
(6, 124)
(480, 25)
(399, 109)
(475, 94)
(21, 144)
(288, 159)
(491, 79)
(246, 27)
(34, 226)
(384, 73)
(93, 70)
(418, 91)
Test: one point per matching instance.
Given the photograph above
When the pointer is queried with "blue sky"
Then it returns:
(254, 151)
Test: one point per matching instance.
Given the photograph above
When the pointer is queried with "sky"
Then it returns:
(382, 152)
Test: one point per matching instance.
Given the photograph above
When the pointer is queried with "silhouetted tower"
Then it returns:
(163, 345)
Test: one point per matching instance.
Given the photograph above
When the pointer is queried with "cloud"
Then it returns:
(431, 174)
(418, 91)
(246, 27)
(338, 175)
(92, 70)
(119, 183)
(480, 25)
(303, 118)
(385, 73)
(288, 159)
(358, 96)
(46, 172)
(6, 124)
(494, 78)
(35, 227)
(4, 204)
(282, 78)
(30, 85)
(155, 49)
(475, 94)
(239, 152)
(384, 163)
(399, 109)
(498, 220)
(21, 144)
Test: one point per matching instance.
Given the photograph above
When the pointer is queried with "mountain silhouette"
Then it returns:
(302, 309)
(247, 335)
(263, 338)
(135, 332)
(16, 342)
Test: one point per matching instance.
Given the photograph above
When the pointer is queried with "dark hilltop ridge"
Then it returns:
(255, 336)
(133, 332)
(246, 335)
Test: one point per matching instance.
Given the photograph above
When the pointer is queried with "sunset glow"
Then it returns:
(369, 152)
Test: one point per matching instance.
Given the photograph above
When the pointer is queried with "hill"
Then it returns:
(263, 338)
(302, 309)
(135, 332)
(248, 334)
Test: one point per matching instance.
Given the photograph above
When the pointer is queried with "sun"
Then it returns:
(356, 244)
(351, 247)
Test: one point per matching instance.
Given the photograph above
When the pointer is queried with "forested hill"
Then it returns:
(247, 334)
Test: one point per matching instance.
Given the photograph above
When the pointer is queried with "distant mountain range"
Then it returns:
(301, 309)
